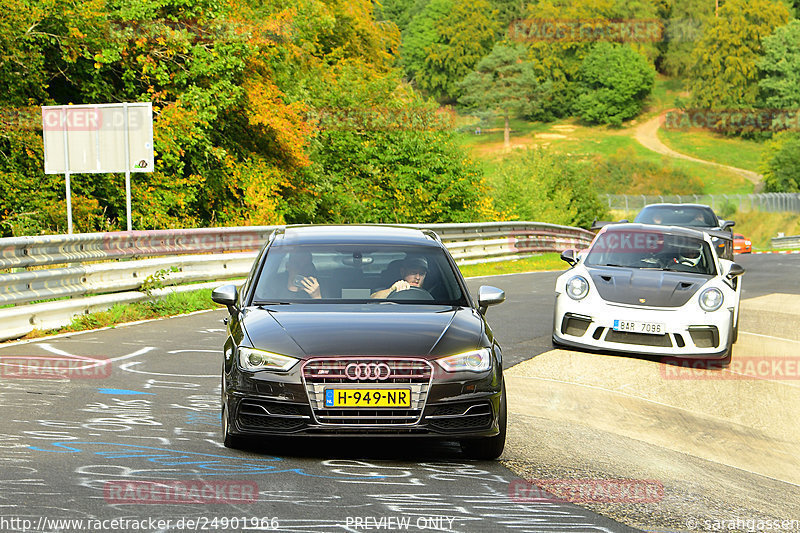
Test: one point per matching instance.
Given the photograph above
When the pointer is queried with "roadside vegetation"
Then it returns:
(172, 304)
(323, 112)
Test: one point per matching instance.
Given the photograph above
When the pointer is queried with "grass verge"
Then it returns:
(739, 153)
(176, 303)
(549, 261)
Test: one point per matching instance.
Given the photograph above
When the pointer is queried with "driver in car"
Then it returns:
(687, 257)
(412, 275)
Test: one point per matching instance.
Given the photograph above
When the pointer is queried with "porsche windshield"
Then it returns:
(364, 273)
(651, 249)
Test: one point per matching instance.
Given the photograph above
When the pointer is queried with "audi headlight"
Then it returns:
(252, 359)
(474, 361)
(577, 287)
(711, 299)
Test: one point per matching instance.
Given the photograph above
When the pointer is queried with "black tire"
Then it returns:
(735, 333)
(489, 448)
(228, 439)
(724, 362)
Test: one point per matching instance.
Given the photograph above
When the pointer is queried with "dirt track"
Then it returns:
(647, 135)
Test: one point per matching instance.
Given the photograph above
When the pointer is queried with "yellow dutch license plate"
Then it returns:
(368, 398)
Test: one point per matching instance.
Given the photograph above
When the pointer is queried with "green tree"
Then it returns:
(780, 67)
(684, 24)
(725, 73)
(780, 163)
(558, 60)
(614, 82)
(505, 83)
(445, 41)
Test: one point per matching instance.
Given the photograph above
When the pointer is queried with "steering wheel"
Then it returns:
(412, 293)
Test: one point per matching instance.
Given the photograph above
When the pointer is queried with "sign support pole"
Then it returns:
(127, 170)
(66, 172)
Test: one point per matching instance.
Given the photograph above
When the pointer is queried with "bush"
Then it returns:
(780, 163)
(614, 82)
(540, 186)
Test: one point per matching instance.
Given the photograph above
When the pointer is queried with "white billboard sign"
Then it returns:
(98, 138)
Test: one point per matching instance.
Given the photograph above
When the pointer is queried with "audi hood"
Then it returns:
(315, 330)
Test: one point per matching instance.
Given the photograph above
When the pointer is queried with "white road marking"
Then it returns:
(127, 367)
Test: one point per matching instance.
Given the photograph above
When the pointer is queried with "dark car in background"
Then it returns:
(695, 216)
(361, 331)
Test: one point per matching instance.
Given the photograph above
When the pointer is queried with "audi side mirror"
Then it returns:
(226, 295)
(489, 296)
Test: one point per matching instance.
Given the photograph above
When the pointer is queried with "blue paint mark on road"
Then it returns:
(188, 463)
(123, 392)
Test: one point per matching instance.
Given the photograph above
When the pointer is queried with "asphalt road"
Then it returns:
(136, 438)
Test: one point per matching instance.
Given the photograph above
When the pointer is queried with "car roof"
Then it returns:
(704, 206)
(355, 234)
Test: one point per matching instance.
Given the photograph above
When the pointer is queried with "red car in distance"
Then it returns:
(741, 245)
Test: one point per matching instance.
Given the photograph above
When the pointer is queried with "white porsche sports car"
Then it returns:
(658, 290)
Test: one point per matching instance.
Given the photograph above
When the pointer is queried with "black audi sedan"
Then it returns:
(361, 331)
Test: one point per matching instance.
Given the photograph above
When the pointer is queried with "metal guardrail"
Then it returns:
(200, 257)
(59, 249)
(775, 202)
(786, 242)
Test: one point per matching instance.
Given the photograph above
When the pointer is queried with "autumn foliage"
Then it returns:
(237, 91)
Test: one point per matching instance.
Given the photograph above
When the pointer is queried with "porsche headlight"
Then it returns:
(577, 287)
(252, 359)
(474, 361)
(711, 299)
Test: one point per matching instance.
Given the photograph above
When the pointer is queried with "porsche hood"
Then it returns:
(653, 288)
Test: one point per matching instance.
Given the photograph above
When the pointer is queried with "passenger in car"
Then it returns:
(301, 281)
(412, 275)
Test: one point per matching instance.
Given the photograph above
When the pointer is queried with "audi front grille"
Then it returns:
(367, 373)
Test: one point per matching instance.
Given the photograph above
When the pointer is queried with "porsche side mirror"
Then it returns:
(728, 224)
(569, 257)
(735, 271)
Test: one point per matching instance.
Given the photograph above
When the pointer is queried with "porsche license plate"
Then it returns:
(399, 398)
(634, 326)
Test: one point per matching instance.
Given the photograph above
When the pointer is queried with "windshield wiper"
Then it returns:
(264, 304)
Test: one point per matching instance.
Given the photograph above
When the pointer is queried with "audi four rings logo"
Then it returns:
(373, 371)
